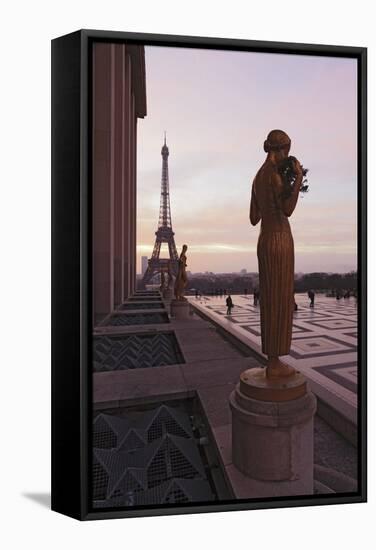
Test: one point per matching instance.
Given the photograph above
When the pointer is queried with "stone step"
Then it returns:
(336, 481)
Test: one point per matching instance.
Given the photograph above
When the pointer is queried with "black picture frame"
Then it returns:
(71, 269)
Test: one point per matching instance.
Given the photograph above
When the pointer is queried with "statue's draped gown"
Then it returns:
(181, 278)
(275, 252)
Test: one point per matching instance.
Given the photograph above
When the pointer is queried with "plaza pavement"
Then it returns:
(212, 363)
(324, 346)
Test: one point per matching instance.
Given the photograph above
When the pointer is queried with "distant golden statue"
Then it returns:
(273, 203)
(181, 278)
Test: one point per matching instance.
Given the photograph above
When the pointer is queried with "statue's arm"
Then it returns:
(286, 205)
(254, 211)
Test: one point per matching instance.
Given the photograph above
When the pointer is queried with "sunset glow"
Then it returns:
(217, 108)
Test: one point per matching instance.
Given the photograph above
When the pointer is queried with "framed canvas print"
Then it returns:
(208, 274)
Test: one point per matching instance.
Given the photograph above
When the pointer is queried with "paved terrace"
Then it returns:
(210, 367)
(324, 345)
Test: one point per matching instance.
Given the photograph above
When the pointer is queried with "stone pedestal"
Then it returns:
(180, 309)
(168, 294)
(272, 432)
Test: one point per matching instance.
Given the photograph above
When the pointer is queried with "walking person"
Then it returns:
(229, 304)
(311, 296)
(255, 297)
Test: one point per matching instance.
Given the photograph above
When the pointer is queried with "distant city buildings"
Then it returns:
(243, 271)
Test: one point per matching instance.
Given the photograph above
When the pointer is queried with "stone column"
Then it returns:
(118, 175)
(127, 172)
(103, 180)
(272, 434)
(118, 81)
(135, 200)
(132, 210)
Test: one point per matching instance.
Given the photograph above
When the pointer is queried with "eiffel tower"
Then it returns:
(164, 233)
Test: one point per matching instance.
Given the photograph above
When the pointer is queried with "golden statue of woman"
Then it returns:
(275, 251)
(181, 278)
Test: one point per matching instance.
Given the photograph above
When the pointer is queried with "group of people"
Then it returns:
(256, 299)
(219, 292)
(230, 304)
(310, 293)
(338, 293)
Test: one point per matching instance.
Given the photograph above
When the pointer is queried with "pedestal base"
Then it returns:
(272, 441)
(168, 294)
(255, 384)
(180, 309)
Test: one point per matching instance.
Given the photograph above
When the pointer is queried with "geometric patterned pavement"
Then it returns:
(152, 458)
(142, 304)
(135, 351)
(324, 342)
(129, 319)
(147, 298)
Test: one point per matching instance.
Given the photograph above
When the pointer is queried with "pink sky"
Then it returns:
(217, 108)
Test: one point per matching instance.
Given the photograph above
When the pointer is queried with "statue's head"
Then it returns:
(278, 143)
(185, 248)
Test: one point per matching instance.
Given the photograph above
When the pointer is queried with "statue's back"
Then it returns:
(267, 193)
